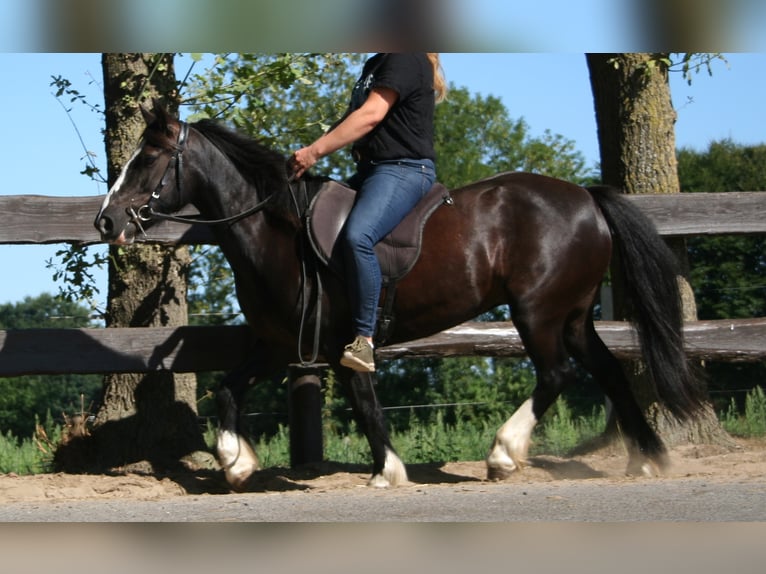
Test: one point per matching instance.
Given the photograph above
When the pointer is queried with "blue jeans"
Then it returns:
(387, 192)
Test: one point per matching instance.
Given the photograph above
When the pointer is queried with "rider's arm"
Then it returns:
(357, 124)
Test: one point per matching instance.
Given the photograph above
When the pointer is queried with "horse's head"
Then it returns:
(150, 182)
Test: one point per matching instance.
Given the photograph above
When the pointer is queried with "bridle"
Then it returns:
(147, 212)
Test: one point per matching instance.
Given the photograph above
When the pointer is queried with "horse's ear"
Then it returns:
(158, 114)
(164, 119)
(149, 116)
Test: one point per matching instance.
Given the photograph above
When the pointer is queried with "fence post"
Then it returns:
(304, 413)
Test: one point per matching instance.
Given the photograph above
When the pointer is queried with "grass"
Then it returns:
(751, 423)
(433, 441)
(31, 455)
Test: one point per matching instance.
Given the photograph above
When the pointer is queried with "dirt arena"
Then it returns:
(745, 463)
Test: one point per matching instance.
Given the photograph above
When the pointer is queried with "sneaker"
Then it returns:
(358, 356)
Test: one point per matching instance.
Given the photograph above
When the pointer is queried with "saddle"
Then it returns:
(397, 252)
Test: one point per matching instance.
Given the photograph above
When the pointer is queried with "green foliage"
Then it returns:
(43, 311)
(441, 441)
(752, 422)
(728, 273)
(694, 62)
(74, 272)
(21, 457)
(31, 455)
(561, 431)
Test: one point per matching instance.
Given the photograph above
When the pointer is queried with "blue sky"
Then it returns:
(40, 152)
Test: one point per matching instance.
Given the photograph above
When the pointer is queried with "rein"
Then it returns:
(190, 220)
(304, 282)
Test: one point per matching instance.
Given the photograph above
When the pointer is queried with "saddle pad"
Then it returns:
(397, 252)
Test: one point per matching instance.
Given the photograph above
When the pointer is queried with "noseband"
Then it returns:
(147, 212)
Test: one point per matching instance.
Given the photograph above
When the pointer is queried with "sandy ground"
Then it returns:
(745, 463)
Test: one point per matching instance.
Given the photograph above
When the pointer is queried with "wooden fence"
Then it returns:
(32, 219)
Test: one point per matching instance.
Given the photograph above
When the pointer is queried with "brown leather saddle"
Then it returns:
(397, 252)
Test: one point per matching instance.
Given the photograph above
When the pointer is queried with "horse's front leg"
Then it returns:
(387, 467)
(235, 454)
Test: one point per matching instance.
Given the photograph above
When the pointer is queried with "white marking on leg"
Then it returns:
(511, 445)
(639, 465)
(394, 472)
(237, 458)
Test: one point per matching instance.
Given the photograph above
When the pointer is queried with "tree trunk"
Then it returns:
(146, 421)
(636, 133)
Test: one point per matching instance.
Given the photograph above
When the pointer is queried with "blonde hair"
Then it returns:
(440, 84)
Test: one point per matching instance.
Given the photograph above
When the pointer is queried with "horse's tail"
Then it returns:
(649, 272)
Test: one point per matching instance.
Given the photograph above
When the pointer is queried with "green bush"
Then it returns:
(31, 455)
(559, 432)
(751, 423)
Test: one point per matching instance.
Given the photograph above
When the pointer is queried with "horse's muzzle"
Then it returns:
(106, 227)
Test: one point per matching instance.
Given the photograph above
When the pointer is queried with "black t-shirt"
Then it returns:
(407, 131)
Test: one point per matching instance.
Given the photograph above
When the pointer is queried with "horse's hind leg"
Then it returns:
(511, 444)
(544, 344)
(646, 452)
(387, 467)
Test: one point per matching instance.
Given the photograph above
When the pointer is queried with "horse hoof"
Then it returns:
(646, 469)
(378, 481)
(394, 472)
(238, 477)
(238, 483)
(501, 472)
(237, 458)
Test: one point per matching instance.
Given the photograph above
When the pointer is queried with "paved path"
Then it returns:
(582, 500)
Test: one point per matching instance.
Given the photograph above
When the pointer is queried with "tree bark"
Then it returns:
(636, 134)
(145, 422)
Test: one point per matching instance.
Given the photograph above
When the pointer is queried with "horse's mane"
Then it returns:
(255, 161)
(262, 167)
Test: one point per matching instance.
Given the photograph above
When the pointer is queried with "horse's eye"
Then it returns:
(149, 158)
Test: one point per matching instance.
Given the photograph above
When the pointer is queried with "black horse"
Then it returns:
(538, 244)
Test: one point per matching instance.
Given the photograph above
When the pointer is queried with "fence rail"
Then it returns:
(220, 348)
(37, 219)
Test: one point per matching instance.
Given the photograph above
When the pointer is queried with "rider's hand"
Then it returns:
(302, 160)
